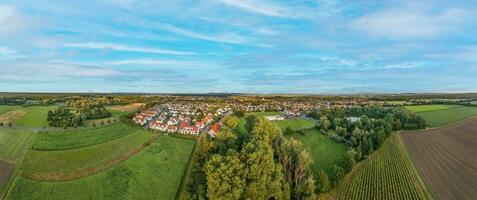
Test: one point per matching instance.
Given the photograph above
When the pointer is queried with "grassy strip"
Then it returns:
(88, 171)
(71, 139)
(185, 179)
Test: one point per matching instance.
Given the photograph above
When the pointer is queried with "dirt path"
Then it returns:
(6, 170)
(446, 158)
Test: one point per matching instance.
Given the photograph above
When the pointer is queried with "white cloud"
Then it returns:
(225, 38)
(117, 47)
(165, 62)
(257, 7)
(9, 53)
(409, 22)
(54, 69)
(13, 22)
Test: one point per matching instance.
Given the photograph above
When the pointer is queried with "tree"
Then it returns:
(224, 176)
(231, 121)
(239, 113)
(1, 123)
(267, 131)
(10, 124)
(324, 123)
(250, 123)
(323, 182)
(350, 159)
(263, 176)
(337, 175)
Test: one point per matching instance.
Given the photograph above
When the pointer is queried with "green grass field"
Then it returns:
(13, 142)
(396, 102)
(440, 117)
(70, 139)
(295, 124)
(388, 174)
(35, 116)
(262, 114)
(154, 173)
(325, 152)
(4, 109)
(473, 102)
(427, 108)
(75, 159)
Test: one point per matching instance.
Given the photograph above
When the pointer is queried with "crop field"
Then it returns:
(447, 116)
(75, 159)
(4, 109)
(154, 173)
(388, 174)
(70, 139)
(396, 102)
(446, 158)
(427, 108)
(126, 108)
(35, 116)
(295, 124)
(325, 152)
(6, 170)
(13, 142)
(10, 116)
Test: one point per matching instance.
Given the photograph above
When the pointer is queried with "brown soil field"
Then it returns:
(127, 108)
(6, 170)
(11, 116)
(446, 158)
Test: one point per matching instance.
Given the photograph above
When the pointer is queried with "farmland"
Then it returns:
(295, 124)
(154, 173)
(325, 152)
(388, 174)
(438, 115)
(79, 158)
(427, 108)
(13, 143)
(446, 159)
(61, 139)
(35, 116)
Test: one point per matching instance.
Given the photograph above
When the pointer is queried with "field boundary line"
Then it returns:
(84, 172)
(187, 171)
(426, 189)
(10, 181)
(444, 126)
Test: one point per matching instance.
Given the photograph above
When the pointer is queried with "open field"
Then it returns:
(13, 142)
(388, 174)
(4, 109)
(396, 102)
(446, 157)
(76, 159)
(70, 139)
(325, 152)
(295, 124)
(473, 102)
(262, 114)
(154, 173)
(35, 116)
(427, 108)
(10, 116)
(6, 170)
(447, 116)
(126, 108)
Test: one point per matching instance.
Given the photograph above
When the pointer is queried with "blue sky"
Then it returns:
(250, 46)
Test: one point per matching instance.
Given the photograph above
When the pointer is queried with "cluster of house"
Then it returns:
(164, 119)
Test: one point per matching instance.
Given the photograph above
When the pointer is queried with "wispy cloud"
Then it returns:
(224, 38)
(409, 22)
(258, 7)
(9, 53)
(13, 22)
(117, 47)
(166, 63)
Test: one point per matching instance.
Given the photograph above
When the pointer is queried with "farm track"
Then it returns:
(446, 158)
(88, 171)
(6, 170)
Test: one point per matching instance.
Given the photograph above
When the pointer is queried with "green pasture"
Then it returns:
(154, 173)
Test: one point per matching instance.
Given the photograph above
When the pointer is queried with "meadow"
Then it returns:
(427, 108)
(70, 139)
(439, 117)
(35, 116)
(325, 152)
(76, 159)
(154, 173)
(388, 174)
(295, 124)
(13, 143)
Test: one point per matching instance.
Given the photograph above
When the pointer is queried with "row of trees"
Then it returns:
(258, 163)
(364, 129)
(63, 117)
